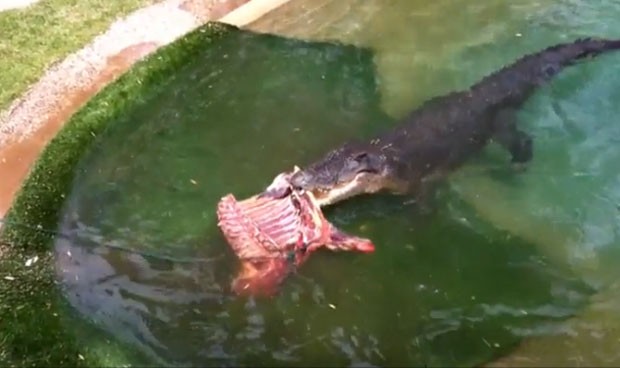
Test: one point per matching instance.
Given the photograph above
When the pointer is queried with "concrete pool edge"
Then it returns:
(30, 299)
(43, 190)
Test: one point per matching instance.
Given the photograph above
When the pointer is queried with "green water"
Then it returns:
(504, 256)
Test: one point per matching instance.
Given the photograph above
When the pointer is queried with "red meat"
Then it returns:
(273, 234)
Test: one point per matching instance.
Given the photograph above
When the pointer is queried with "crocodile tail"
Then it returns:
(514, 83)
(546, 64)
(586, 47)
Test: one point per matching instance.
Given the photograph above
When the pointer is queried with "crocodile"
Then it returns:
(444, 132)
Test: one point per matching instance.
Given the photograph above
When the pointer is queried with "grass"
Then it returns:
(34, 325)
(32, 333)
(33, 39)
(38, 36)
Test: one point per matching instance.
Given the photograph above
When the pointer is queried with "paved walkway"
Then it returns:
(15, 4)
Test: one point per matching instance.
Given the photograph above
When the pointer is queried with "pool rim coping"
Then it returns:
(24, 134)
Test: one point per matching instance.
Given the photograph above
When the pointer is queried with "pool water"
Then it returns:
(502, 258)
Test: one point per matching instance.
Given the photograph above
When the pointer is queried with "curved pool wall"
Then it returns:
(36, 329)
(43, 193)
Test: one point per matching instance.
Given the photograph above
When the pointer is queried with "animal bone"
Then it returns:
(275, 230)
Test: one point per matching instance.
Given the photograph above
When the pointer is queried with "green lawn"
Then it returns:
(38, 36)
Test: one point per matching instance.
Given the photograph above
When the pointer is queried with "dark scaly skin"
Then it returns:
(444, 132)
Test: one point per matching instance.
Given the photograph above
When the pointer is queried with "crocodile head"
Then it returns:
(350, 170)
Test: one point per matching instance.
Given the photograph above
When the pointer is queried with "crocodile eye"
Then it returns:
(361, 157)
(361, 162)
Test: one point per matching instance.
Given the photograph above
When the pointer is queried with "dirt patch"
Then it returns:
(17, 157)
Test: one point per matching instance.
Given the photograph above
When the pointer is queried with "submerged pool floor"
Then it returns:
(502, 258)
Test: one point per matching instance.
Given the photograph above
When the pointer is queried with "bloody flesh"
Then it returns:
(272, 234)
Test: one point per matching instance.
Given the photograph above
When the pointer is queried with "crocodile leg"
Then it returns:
(518, 143)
